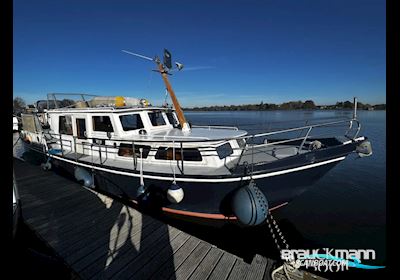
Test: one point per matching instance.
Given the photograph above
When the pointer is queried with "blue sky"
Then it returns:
(251, 51)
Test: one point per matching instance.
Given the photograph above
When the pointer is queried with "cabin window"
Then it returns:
(224, 150)
(131, 122)
(65, 125)
(171, 118)
(189, 154)
(102, 123)
(28, 123)
(241, 143)
(125, 150)
(81, 128)
(157, 118)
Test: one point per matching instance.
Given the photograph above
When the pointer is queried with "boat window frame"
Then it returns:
(131, 114)
(128, 150)
(176, 123)
(222, 154)
(177, 154)
(166, 121)
(65, 132)
(29, 123)
(77, 128)
(102, 116)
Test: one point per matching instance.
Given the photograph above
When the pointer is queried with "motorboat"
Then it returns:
(151, 155)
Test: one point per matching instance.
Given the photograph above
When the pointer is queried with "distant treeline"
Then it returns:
(19, 106)
(291, 105)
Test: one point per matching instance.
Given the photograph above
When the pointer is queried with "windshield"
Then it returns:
(172, 118)
(131, 122)
(156, 118)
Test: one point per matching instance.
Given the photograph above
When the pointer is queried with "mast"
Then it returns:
(177, 106)
(163, 69)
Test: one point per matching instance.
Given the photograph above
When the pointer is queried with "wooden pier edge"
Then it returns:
(100, 238)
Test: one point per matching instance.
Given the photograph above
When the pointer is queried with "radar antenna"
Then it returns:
(164, 68)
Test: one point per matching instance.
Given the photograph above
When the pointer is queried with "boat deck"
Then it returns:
(260, 155)
(198, 133)
(101, 238)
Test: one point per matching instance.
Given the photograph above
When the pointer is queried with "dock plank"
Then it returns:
(239, 270)
(133, 226)
(101, 238)
(146, 255)
(76, 219)
(60, 205)
(193, 260)
(54, 223)
(128, 259)
(223, 267)
(164, 272)
(48, 199)
(206, 267)
(126, 249)
(90, 232)
(34, 198)
(162, 257)
(131, 243)
(257, 268)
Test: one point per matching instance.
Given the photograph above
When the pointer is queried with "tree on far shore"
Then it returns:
(67, 102)
(309, 104)
(18, 105)
(291, 105)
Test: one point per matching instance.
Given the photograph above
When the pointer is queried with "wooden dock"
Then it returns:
(100, 238)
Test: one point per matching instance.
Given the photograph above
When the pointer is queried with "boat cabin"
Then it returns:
(114, 136)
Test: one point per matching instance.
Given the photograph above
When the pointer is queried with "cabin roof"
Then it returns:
(106, 109)
(199, 133)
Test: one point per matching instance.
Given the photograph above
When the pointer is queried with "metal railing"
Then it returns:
(52, 97)
(69, 143)
(309, 128)
(215, 127)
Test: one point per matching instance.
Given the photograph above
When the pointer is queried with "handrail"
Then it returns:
(54, 98)
(299, 128)
(161, 139)
(278, 142)
(107, 148)
(216, 127)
